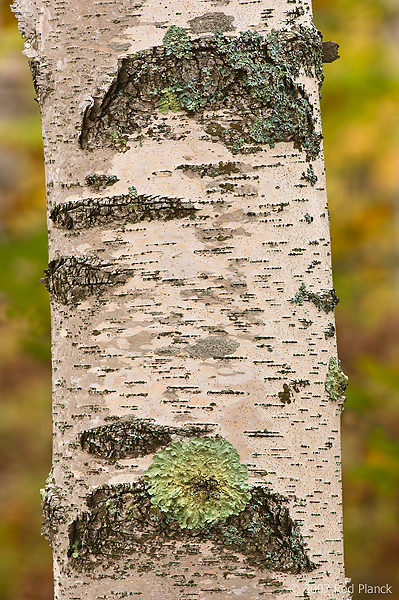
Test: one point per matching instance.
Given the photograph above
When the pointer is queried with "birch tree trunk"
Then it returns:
(197, 390)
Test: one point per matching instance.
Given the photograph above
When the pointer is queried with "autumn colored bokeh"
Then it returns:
(361, 129)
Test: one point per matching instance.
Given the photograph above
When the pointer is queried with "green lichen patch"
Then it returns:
(70, 279)
(212, 347)
(98, 182)
(210, 169)
(198, 482)
(130, 437)
(325, 300)
(336, 381)
(177, 43)
(122, 520)
(247, 76)
(119, 210)
(310, 176)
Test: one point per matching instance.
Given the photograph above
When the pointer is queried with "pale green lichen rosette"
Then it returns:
(200, 481)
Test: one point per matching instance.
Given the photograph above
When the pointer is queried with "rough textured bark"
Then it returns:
(192, 300)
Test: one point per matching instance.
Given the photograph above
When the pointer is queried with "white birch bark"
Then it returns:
(198, 304)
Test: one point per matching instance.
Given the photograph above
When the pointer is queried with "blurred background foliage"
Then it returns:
(361, 129)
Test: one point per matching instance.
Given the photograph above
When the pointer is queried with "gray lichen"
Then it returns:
(296, 49)
(122, 521)
(70, 279)
(336, 381)
(250, 76)
(212, 22)
(130, 437)
(119, 210)
(325, 300)
(167, 351)
(210, 169)
(212, 347)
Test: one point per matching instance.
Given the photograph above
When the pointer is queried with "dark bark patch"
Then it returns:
(71, 280)
(98, 182)
(121, 520)
(248, 77)
(329, 331)
(52, 500)
(131, 437)
(42, 78)
(325, 300)
(119, 210)
(286, 395)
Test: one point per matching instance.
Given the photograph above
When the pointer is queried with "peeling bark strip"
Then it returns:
(117, 210)
(122, 520)
(70, 280)
(250, 77)
(330, 52)
(130, 437)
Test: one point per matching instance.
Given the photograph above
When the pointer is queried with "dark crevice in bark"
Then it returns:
(121, 520)
(119, 210)
(131, 437)
(71, 279)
